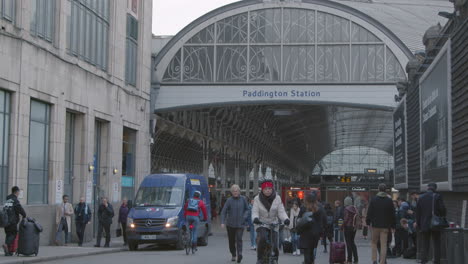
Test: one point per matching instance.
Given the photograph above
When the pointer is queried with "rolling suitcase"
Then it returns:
(29, 232)
(338, 248)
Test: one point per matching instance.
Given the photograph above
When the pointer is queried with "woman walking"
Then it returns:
(310, 235)
(328, 227)
(350, 230)
(233, 216)
(293, 217)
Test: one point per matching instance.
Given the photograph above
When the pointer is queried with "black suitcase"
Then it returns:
(29, 232)
(287, 247)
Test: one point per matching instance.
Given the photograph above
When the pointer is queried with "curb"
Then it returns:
(51, 258)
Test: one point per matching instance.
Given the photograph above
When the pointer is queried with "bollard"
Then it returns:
(455, 250)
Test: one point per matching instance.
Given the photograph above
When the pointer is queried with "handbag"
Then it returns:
(437, 222)
(118, 232)
(304, 222)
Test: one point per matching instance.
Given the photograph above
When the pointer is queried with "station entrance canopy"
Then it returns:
(302, 77)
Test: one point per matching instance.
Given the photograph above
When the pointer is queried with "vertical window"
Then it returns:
(8, 9)
(69, 154)
(4, 139)
(131, 51)
(38, 153)
(88, 29)
(43, 18)
(128, 163)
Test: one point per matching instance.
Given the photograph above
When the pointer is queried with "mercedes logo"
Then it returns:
(148, 223)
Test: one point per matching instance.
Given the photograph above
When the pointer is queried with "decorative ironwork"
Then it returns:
(284, 45)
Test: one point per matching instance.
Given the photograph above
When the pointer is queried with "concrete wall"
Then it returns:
(31, 68)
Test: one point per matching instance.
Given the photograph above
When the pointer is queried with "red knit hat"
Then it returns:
(267, 184)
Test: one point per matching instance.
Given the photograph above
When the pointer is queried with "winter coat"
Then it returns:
(309, 237)
(424, 210)
(269, 217)
(235, 212)
(105, 214)
(350, 212)
(381, 213)
(123, 213)
(201, 207)
(68, 214)
(82, 213)
(293, 216)
(17, 208)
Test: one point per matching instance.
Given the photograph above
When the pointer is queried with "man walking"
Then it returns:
(235, 211)
(105, 215)
(381, 217)
(82, 218)
(14, 210)
(63, 214)
(430, 204)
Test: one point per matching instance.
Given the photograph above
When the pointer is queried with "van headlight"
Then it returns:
(130, 222)
(172, 221)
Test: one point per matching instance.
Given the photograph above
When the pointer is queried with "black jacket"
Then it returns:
(381, 212)
(17, 207)
(310, 237)
(424, 209)
(82, 213)
(105, 214)
(339, 214)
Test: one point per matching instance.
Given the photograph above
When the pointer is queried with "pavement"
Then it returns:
(216, 252)
(51, 253)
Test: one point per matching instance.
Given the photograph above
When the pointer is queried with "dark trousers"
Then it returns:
(350, 234)
(124, 232)
(10, 234)
(401, 240)
(106, 228)
(364, 231)
(263, 240)
(426, 242)
(309, 256)
(235, 240)
(80, 230)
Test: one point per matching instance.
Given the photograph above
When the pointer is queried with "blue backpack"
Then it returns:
(192, 205)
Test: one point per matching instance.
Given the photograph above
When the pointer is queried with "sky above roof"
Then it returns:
(170, 16)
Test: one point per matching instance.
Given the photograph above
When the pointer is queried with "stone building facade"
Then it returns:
(74, 102)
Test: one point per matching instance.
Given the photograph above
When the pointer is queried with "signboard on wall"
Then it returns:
(400, 146)
(89, 191)
(435, 122)
(58, 191)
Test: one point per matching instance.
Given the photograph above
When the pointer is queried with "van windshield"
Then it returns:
(159, 196)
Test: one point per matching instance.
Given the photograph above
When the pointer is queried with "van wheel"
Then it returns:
(203, 241)
(132, 246)
(180, 241)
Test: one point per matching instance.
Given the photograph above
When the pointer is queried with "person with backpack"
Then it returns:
(82, 218)
(192, 215)
(328, 227)
(351, 224)
(13, 210)
(233, 217)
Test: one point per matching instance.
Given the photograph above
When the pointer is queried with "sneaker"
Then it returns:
(298, 252)
(233, 258)
(294, 253)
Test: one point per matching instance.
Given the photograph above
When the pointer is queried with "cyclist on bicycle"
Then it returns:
(191, 212)
(266, 210)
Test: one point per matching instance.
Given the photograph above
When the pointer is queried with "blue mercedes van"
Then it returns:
(157, 215)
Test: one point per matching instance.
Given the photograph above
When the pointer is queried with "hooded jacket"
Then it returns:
(350, 212)
(381, 213)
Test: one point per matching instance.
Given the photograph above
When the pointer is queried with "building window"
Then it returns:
(88, 31)
(38, 171)
(43, 18)
(131, 51)
(4, 139)
(69, 154)
(128, 163)
(8, 9)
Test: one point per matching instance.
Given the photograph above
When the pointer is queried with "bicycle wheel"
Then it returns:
(188, 244)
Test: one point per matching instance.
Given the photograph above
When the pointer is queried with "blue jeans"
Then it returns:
(253, 235)
(295, 241)
(194, 220)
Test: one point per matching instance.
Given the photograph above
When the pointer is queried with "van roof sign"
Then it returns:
(195, 181)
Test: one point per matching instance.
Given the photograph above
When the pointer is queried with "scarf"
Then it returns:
(267, 201)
